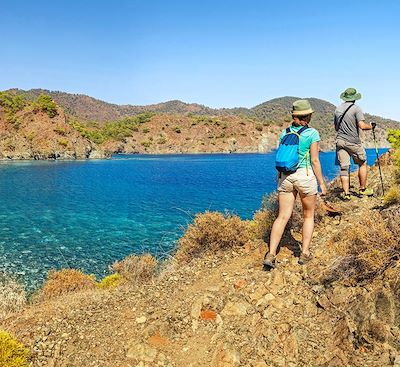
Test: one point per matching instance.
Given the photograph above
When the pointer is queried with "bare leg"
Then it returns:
(286, 203)
(308, 203)
(345, 184)
(362, 175)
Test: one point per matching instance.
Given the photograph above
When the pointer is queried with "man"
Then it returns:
(349, 119)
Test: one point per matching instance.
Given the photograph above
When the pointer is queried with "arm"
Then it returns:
(364, 126)
(316, 165)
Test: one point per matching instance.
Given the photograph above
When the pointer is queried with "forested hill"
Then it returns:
(178, 127)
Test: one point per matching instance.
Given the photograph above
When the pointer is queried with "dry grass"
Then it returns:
(211, 232)
(136, 268)
(12, 295)
(392, 196)
(264, 218)
(12, 353)
(365, 251)
(65, 281)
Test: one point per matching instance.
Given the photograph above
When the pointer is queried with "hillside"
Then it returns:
(178, 127)
(212, 305)
(40, 131)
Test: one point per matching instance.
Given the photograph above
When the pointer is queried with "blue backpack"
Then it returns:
(287, 155)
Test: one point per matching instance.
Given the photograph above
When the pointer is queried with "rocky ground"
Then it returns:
(224, 310)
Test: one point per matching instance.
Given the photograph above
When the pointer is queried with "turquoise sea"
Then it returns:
(87, 214)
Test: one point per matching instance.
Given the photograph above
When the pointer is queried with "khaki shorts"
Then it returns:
(345, 150)
(299, 181)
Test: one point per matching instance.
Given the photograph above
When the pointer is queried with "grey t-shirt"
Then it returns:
(348, 129)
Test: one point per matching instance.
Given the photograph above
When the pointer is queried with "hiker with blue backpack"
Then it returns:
(299, 169)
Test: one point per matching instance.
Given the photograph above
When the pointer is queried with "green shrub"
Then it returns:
(394, 138)
(60, 131)
(177, 129)
(146, 143)
(63, 142)
(392, 196)
(12, 103)
(162, 140)
(114, 130)
(110, 281)
(259, 126)
(12, 353)
(146, 130)
(46, 104)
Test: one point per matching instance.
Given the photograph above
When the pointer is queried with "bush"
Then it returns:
(365, 251)
(392, 196)
(136, 268)
(110, 281)
(211, 232)
(114, 130)
(12, 295)
(12, 103)
(394, 138)
(259, 126)
(66, 281)
(12, 353)
(46, 104)
(177, 129)
(63, 142)
(264, 218)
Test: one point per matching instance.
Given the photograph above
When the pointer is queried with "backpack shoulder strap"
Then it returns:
(287, 130)
(342, 117)
(302, 129)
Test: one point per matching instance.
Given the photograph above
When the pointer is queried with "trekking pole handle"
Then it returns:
(373, 124)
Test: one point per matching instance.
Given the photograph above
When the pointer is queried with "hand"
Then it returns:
(324, 191)
(373, 124)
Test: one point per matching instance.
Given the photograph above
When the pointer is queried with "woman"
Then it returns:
(302, 182)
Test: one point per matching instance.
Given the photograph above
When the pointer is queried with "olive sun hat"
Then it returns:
(350, 94)
(301, 107)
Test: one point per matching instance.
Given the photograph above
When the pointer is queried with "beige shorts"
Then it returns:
(299, 181)
(345, 150)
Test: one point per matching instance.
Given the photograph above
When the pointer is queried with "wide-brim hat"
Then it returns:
(350, 94)
(301, 107)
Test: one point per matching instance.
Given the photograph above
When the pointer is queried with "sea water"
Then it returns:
(88, 214)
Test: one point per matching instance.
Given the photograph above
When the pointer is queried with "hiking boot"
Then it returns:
(366, 192)
(345, 197)
(304, 259)
(269, 261)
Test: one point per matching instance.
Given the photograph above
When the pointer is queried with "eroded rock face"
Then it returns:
(37, 136)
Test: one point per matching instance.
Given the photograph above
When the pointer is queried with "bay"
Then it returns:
(88, 214)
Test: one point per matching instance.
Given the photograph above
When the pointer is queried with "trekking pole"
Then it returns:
(377, 156)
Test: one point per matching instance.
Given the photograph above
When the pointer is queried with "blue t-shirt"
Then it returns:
(307, 137)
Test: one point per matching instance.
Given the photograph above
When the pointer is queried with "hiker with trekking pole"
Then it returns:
(348, 120)
(299, 169)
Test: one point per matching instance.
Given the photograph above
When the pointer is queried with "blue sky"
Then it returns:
(217, 53)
